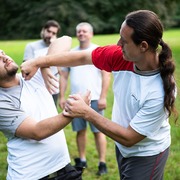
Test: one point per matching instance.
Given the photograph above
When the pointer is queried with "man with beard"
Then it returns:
(38, 48)
(37, 147)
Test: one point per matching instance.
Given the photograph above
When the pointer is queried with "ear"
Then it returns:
(42, 33)
(144, 46)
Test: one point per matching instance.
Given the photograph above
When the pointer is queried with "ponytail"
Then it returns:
(167, 68)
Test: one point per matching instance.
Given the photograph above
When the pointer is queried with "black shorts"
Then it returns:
(69, 172)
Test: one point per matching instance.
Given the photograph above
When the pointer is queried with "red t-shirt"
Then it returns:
(110, 58)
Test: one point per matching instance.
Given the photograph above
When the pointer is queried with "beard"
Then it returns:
(47, 40)
(13, 71)
(8, 75)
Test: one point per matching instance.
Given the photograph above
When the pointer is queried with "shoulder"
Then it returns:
(94, 45)
(75, 48)
(35, 43)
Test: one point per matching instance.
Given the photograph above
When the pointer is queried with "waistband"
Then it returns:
(57, 173)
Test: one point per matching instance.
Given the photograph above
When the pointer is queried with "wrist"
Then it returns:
(41, 62)
(87, 112)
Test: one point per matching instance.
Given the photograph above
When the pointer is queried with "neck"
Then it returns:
(149, 62)
(10, 82)
(84, 45)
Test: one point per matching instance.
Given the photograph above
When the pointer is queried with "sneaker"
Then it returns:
(102, 169)
(79, 163)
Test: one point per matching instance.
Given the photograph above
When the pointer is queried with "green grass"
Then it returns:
(172, 171)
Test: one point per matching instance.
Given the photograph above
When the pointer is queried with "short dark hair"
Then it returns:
(52, 23)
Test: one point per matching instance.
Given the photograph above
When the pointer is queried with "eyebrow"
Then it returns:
(52, 31)
(2, 52)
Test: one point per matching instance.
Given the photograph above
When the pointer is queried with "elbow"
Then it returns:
(127, 142)
(37, 137)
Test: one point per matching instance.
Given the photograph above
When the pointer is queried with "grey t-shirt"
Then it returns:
(11, 115)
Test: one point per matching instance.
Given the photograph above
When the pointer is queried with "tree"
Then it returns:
(24, 19)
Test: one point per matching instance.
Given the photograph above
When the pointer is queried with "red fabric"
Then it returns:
(110, 58)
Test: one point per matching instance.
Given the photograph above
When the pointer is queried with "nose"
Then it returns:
(2, 52)
(6, 59)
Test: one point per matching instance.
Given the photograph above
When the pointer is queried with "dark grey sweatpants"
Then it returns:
(142, 168)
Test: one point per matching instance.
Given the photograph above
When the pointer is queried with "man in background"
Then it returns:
(95, 80)
(38, 48)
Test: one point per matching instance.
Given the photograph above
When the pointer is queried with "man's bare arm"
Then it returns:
(30, 67)
(31, 129)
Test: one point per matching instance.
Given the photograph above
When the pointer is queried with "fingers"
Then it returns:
(66, 113)
(28, 69)
(87, 97)
(26, 76)
(74, 96)
(67, 110)
(88, 93)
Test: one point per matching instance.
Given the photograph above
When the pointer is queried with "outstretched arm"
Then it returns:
(76, 107)
(30, 67)
(61, 59)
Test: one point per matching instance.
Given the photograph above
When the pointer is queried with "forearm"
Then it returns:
(125, 136)
(59, 58)
(62, 90)
(63, 83)
(66, 59)
(51, 126)
(30, 129)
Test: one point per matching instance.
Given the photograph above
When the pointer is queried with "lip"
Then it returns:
(9, 62)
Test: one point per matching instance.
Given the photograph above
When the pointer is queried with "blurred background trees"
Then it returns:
(24, 19)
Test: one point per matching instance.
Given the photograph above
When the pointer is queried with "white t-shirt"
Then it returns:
(30, 159)
(140, 107)
(86, 77)
(138, 102)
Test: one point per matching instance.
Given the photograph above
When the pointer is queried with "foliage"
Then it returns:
(24, 19)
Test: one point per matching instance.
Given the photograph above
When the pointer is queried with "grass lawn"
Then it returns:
(16, 48)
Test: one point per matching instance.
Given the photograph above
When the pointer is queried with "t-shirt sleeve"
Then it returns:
(28, 53)
(110, 58)
(10, 118)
